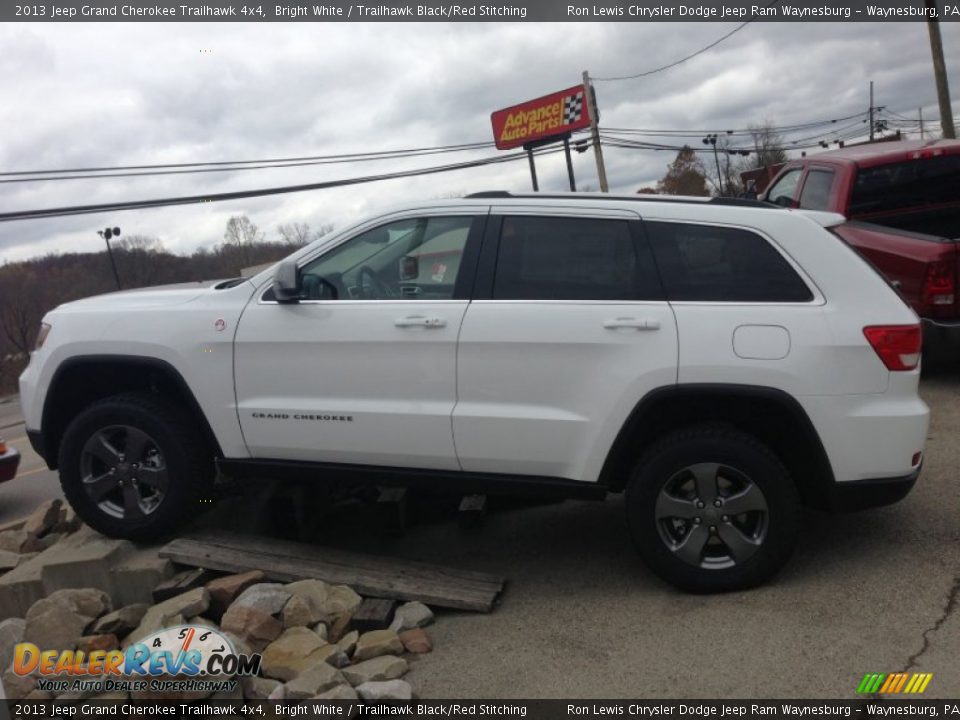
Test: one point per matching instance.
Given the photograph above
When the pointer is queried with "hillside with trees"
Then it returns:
(29, 289)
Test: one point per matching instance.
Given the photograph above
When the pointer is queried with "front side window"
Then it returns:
(554, 258)
(785, 188)
(816, 190)
(719, 264)
(409, 259)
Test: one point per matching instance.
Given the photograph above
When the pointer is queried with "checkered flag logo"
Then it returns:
(572, 108)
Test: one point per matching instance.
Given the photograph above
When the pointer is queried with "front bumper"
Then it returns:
(863, 494)
(9, 462)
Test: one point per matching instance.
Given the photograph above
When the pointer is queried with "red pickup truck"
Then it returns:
(902, 204)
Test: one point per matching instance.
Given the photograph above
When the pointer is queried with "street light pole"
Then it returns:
(712, 140)
(106, 235)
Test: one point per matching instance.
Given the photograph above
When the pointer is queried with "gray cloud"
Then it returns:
(90, 94)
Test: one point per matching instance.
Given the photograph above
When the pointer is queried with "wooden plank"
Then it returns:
(373, 614)
(369, 575)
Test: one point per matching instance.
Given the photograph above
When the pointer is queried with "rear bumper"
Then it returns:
(863, 494)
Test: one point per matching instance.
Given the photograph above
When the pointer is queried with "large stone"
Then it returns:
(58, 621)
(84, 559)
(328, 603)
(348, 643)
(293, 652)
(385, 667)
(416, 641)
(19, 541)
(18, 687)
(223, 591)
(298, 612)
(184, 607)
(120, 622)
(265, 597)
(313, 681)
(254, 627)
(385, 690)
(376, 643)
(135, 578)
(9, 560)
(320, 629)
(258, 688)
(411, 615)
(22, 587)
(44, 518)
(11, 633)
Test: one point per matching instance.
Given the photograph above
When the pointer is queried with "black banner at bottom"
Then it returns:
(535, 709)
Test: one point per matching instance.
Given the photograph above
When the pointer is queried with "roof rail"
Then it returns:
(733, 202)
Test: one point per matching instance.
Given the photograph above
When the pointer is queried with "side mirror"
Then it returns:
(409, 267)
(286, 282)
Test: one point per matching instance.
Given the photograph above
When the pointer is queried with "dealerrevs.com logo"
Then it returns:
(185, 658)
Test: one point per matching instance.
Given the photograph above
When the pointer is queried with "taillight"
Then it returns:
(939, 284)
(898, 346)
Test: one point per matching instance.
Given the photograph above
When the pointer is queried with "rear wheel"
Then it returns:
(712, 509)
(132, 466)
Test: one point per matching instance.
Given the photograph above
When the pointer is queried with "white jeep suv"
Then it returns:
(721, 361)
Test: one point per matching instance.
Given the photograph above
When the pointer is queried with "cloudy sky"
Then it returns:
(90, 94)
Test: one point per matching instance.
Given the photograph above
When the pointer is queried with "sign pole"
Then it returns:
(595, 131)
(533, 167)
(566, 152)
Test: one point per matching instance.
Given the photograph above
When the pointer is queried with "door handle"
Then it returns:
(420, 321)
(629, 322)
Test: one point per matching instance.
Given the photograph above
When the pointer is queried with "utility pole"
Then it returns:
(871, 111)
(940, 71)
(106, 235)
(712, 140)
(591, 99)
(920, 111)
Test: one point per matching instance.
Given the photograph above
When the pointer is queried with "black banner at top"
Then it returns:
(490, 11)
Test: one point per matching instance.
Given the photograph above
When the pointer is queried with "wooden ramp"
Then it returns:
(370, 575)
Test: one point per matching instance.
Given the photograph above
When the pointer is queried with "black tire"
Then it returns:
(166, 443)
(667, 535)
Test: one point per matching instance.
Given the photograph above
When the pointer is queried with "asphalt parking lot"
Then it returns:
(582, 617)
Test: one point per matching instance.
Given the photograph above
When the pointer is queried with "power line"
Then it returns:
(241, 194)
(344, 157)
(688, 57)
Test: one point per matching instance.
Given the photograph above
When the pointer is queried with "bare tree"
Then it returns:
(241, 233)
(20, 307)
(297, 234)
(137, 260)
(768, 147)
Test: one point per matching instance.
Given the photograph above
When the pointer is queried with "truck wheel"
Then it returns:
(711, 509)
(132, 466)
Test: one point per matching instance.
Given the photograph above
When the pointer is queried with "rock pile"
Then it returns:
(303, 630)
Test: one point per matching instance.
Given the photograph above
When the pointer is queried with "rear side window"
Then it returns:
(553, 258)
(907, 184)
(719, 264)
(816, 190)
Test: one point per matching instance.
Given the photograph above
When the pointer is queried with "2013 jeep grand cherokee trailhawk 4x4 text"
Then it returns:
(722, 362)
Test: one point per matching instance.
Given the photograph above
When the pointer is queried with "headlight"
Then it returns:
(42, 335)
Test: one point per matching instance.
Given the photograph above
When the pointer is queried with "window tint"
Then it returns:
(906, 184)
(552, 258)
(785, 187)
(816, 189)
(706, 263)
(409, 259)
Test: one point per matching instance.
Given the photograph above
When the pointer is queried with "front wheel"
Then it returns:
(132, 466)
(712, 509)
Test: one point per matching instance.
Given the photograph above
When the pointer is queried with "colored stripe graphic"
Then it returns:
(894, 683)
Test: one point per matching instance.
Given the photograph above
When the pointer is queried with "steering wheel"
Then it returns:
(374, 288)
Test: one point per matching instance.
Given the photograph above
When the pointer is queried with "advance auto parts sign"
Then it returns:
(554, 114)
